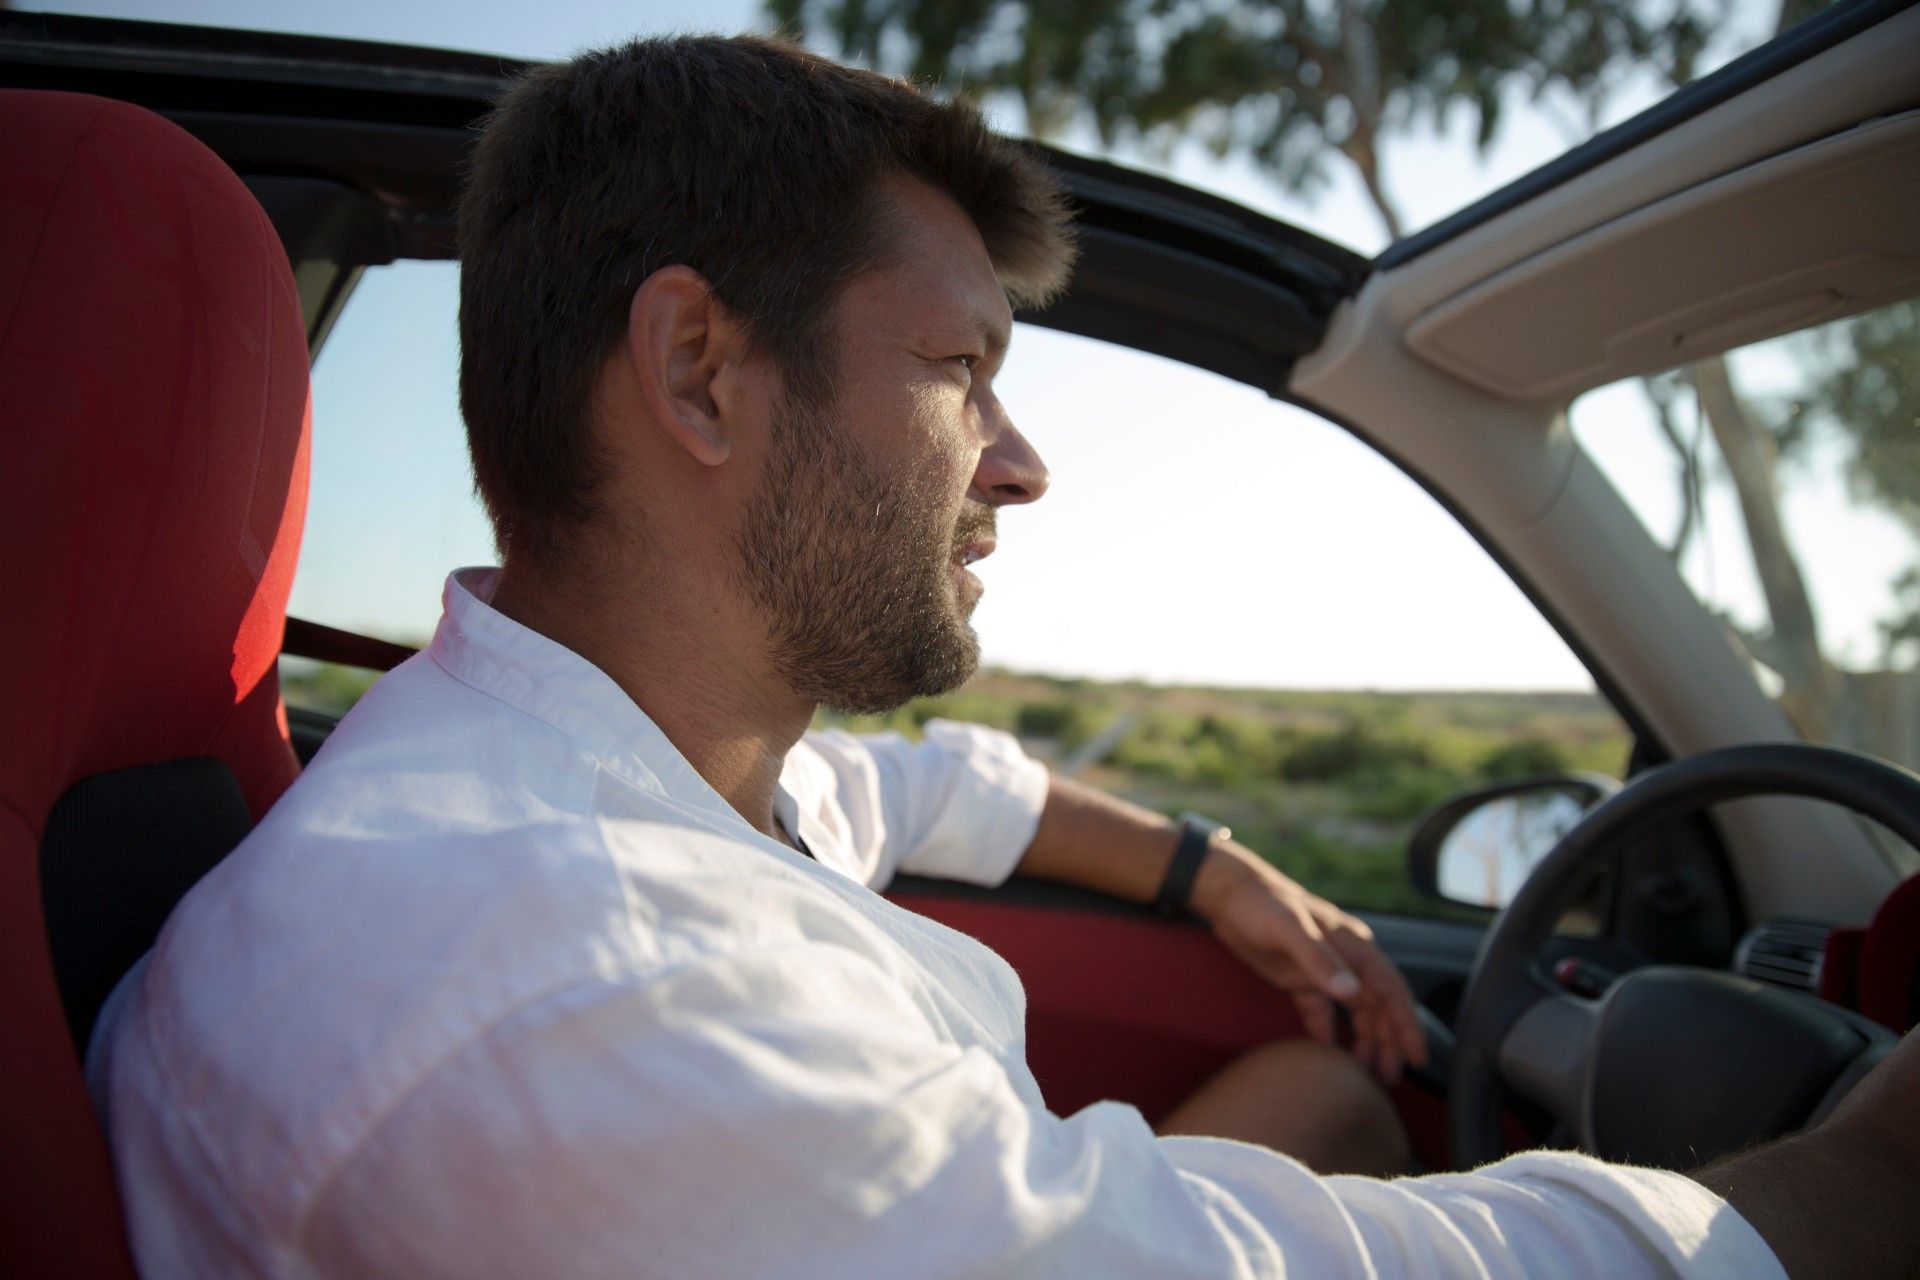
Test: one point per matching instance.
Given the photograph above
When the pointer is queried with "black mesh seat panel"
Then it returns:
(120, 849)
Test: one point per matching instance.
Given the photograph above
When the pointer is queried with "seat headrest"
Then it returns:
(153, 479)
(153, 452)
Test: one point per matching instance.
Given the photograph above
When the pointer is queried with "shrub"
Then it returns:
(1067, 721)
(1156, 758)
(1521, 758)
(1400, 795)
(1348, 751)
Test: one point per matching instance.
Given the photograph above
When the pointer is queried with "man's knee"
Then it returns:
(1308, 1100)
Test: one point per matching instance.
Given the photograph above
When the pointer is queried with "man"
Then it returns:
(561, 959)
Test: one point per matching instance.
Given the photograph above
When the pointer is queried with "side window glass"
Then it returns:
(1784, 480)
(1229, 606)
(391, 508)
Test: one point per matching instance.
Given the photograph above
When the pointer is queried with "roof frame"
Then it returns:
(1164, 269)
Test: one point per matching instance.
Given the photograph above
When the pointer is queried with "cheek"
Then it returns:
(943, 444)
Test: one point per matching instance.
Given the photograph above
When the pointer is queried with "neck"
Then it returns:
(686, 660)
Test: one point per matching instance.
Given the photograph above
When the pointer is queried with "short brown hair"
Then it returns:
(748, 159)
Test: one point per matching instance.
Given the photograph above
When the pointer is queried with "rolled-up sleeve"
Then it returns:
(793, 1113)
(962, 803)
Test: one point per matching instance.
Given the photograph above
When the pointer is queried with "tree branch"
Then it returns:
(1687, 454)
(1751, 458)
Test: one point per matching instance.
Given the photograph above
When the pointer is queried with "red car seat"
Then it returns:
(1877, 969)
(153, 478)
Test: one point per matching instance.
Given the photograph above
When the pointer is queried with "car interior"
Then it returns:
(185, 212)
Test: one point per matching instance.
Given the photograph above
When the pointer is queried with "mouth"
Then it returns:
(973, 552)
(965, 583)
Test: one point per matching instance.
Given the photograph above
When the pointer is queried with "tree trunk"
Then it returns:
(1686, 453)
(1889, 703)
(1359, 148)
(1360, 74)
(1813, 687)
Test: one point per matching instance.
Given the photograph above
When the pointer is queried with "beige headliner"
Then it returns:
(1722, 230)
(1822, 231)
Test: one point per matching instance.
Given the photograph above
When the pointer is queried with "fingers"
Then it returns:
(1388, 1054)
(1307, 944)
(1340, 958)
(1386, 1010)
(1322, 954)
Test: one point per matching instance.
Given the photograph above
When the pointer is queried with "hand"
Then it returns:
(1308, 947)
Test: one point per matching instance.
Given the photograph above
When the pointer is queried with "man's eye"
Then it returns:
(966, 362)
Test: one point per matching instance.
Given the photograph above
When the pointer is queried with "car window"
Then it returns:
(1224, 605)
(1784, 480)
(390, 507)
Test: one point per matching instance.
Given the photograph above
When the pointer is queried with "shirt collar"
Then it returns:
(481, 647)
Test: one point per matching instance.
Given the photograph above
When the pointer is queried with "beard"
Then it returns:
(854, 572)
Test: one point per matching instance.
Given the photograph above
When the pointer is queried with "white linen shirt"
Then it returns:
(501, 987)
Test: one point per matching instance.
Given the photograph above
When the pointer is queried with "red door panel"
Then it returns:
(1127, 1007)
(1120, 1006)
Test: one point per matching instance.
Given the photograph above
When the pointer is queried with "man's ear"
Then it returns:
(680, 342)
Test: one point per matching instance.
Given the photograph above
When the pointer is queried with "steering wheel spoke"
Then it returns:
(1547, 1055)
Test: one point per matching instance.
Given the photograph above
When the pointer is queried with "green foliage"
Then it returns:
(1523, 758)
(1327, 784)
(1066, 720)
(323, 686)
(1365, 874)
(1402, 794)
(1863, 379)
(1288, 83)
(1353, 749)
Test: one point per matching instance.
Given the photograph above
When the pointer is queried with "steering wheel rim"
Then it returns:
(1517, 1027)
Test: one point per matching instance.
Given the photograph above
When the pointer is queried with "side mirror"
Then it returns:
(1476, 850)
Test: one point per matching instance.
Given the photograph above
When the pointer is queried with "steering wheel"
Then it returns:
(1671, 1066)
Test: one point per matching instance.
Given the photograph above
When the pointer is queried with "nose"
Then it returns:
(1010, 469)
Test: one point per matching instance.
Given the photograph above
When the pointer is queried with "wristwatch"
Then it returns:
(1198, 834)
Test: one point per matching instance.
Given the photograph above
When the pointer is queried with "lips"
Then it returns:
(977, 550)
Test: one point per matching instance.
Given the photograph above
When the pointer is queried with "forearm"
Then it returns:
(1840, 1200)
(1825, 1207)
(1297, 941)
(1106, 844)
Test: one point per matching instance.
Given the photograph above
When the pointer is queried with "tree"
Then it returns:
(1860, 381)
(1859, 385)
(1289, 83)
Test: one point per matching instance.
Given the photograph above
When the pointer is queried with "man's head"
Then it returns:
(781, 285)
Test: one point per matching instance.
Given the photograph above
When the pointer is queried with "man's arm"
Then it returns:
(1843, 1199)
(966, 801)
(1296, 940)
(794, 1111)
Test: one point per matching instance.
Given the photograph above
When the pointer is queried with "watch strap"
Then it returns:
(1177, 886)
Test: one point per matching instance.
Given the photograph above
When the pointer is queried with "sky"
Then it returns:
(1196, 532)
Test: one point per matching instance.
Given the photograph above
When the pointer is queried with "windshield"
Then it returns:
(1784, 480)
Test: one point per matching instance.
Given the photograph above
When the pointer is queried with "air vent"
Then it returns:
(1785, 952)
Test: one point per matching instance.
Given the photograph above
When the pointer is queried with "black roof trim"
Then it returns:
(1792, 47)
(122, 44)
(1165, 269)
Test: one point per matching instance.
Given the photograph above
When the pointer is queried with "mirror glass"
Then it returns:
(1495, 847)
